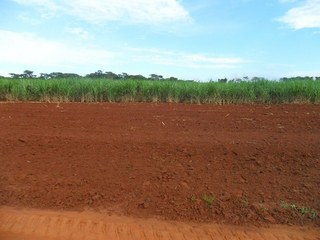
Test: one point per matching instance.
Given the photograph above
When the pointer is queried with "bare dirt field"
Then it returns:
(242, 165)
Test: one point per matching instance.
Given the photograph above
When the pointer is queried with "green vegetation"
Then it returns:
(244, 202)
(284, 204)
(209, 199)
(300, 210)
(193, 198)
(84, 89)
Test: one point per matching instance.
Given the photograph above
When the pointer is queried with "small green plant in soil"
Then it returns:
(244, 202)
(284, 204)
(263, 207)
(209, 199)
(301, 210)
(193, 199)
(307, 211)
(314, 214)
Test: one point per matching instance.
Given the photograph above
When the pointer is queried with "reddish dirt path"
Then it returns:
(44, 225)
(202, 163)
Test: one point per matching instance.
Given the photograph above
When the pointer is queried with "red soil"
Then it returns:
(160, 160)
(34, 224)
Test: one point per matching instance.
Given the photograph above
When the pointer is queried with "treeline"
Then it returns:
(27, 74)
(256, 79)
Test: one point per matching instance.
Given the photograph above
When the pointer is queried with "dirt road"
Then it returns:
(43, 225)
(240, 165)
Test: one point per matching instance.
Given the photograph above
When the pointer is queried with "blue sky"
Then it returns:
(189, 39)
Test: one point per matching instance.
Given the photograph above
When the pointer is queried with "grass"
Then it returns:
(102, 90)
(300, 210)
(209, 200)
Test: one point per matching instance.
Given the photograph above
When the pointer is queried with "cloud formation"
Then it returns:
(185, 60)
(28, 49)
(101, 11)
(287, 1)
(307, 15)
(79, 32)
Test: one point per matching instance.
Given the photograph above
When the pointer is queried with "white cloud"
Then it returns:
(306, 15)
(47, 7)
(287, 1)
(27, 19)
(101, 11)
(27, 49)
(80, 32)
(20, 51)
(185, 60)
(45, 4)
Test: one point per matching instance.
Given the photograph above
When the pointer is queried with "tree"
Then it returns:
(15, 75)
(100, 74)
(55, 75)
(70, 75)
(223, 80)
(111, 75)
(25, 74)
(172, 79)
(44, 75)
(28, 74)
(136, 77)
(237, 80)
(256, 79)
(123, 75)
(97, 74)
(156, 77)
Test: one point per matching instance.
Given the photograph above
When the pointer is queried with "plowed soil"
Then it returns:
(243, 165)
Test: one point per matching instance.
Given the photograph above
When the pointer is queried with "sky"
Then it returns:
(189, 39)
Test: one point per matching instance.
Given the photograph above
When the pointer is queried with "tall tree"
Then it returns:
(28, 74)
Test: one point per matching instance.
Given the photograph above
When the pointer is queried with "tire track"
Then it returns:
(40, 225)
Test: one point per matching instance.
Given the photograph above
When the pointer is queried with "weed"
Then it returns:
(209, 199)
(293, 206)
(244, 202)
(307, 211)
(284, 204)
(193, 199)
(300, 210)
(304, 210)
(313, 214)
(263, 207)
